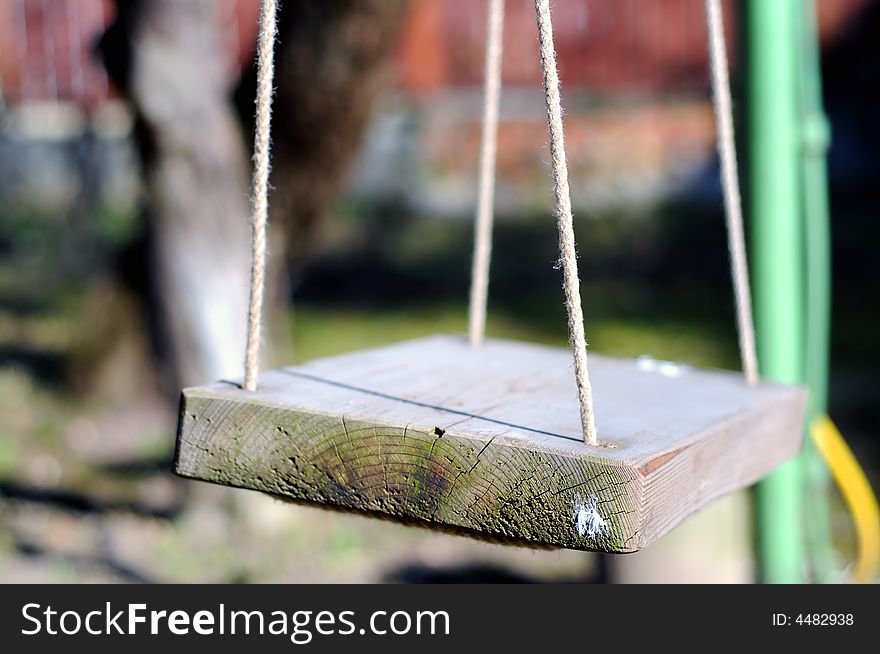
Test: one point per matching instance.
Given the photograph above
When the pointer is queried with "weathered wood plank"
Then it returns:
(488, 439)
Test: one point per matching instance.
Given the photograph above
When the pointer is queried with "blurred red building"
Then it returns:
(606, 46)
(47, 46)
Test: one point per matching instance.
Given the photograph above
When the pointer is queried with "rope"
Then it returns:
(567, 254)
(739, 266)
(483, 227)
(485, 201)
(260, 199)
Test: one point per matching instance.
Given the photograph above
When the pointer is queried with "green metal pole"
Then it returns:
(774, 200)
(816, 137)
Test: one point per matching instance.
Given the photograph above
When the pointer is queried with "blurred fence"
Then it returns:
(645, 61)
(606, 46)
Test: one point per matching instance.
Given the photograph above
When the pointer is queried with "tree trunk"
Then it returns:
(196, 174)
(167, 58)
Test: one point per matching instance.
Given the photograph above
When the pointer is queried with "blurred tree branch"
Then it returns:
(329, 70)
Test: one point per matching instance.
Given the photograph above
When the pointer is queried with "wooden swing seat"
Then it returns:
(488, 439)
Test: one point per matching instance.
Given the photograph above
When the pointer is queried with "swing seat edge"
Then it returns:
(335, 432)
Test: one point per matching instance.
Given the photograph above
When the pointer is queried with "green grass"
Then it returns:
(326, 330)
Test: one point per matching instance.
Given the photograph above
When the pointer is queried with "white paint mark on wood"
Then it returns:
(587, 519)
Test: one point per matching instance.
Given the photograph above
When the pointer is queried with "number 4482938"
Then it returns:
(824, 619)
